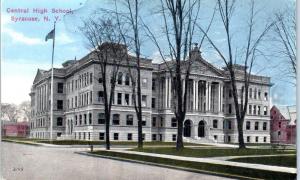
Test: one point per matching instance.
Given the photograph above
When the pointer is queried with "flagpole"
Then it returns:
(52, 87)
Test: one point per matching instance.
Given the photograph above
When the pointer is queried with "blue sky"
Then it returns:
(24, 49)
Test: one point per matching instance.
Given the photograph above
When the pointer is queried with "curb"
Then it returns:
(168, 166)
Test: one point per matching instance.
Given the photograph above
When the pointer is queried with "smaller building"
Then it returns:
(15, 129)
(283, 124)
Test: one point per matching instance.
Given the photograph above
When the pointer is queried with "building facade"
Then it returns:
(78, 104)
(283, 124)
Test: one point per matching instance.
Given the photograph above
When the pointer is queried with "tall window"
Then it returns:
(116, 119)
(116, 136)
(127, 99)
(153, 84)
(129, 119)
(254, 109)
(120, 78)
(229, 109)
(258, 110)
(173, 122)
(265, 110)
(153, 121)
(91, 78)
(76, 120)
(59, 121)
(90, 118)
(229, 124)
(248, 125)
(119, 99)
(101, 136)
(144, 100)
(153, 103)
(144, 82)
(100, 96)
(215, 123)
(84, 118)
(250, 93)
(129, 136)
(250, 109)
(264, 126)
(101, 118)
(60, 87)
(60, 104)
(143, 120)
(256, 126)
(255, 93)
(127, 80)
(266, 96)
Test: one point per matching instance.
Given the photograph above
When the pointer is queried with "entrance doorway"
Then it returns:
(201, 129)
(187, 128)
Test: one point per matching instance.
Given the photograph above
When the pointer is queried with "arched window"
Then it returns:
(116, 119)
(215, 123)
(127, 79)
(59, 121)
(120, 77)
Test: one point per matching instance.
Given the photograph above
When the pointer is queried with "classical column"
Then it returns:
(197, 95)
(219, 96)
(206, 96)
(209, 96)
(166, 92)
(194, 94)
(170, 92)
(183, 87)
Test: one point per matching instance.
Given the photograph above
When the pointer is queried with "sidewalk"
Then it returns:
(214, 161)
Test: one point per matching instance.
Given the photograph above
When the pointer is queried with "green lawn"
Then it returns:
(212, 152)
(287, 161)
(216, 169)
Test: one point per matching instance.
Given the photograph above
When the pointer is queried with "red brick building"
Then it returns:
(17, 129)
(283, 127)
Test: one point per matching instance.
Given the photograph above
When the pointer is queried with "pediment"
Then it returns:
(38, 76)
(203, 67)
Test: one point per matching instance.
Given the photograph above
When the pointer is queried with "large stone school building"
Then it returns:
(79, 111)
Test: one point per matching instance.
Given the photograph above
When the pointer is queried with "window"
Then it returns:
(60, 87)
(229, 109)
(144, 82)
(129, 119)
(80, 119)
(60, 104)
(255, 93)
(279, 133)
(153, 103)
(76, 120)
(89, 135)
(127, 99)
(256, 126)
(143, 136)
(90, 118)
(75, 101)
(154, 137)
(129, 136)
(248, 139)
(229, 139)
(229, 125)
(84, 118)
(230, 93)
(143, 120)
(173, 137)
(279, 124)
(265, 110)
(120, 78)
(254, 109)
(248, 125)
(84, 135)
(162, 122)
(116, 119)
(100, 96)
(101, 118)
(266, 96)
(119, 99)
(101, 136)
(173, 122)
(250, 109)
(256, 139)
(215, 123)
(100, 80)
(264, 126)
(59, 121)
(127, 80)
(215, 137)
(153, 84)
(250, 93)
(91, 78)
(258, 110)
(259, 94)
(144, 100)
(58, 134)
(153, 121)
(116, 136)
(265, 139)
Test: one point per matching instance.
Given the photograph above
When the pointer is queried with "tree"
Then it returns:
(103, 37)
(249, 53)
(26, 108)
(10, 111)
(285, 38)
(130, 19)
(179, 22)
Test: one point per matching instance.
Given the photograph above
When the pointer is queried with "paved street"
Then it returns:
(24, 162)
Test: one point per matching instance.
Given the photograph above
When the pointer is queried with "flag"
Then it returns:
(50, 35)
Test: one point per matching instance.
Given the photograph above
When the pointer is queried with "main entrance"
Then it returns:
(187, 128)
(201, 129)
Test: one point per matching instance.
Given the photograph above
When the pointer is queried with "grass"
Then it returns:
(211, 152)
(286, 161)
(216, 169)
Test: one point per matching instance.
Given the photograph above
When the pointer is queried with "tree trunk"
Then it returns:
(107, 139)
(241, 133)
(179, 142)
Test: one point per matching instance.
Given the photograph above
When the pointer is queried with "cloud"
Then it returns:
(21, 38)
(64, 38)
(156, 57)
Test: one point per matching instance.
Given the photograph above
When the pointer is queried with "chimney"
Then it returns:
(195, 52)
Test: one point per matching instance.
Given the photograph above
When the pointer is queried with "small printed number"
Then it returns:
(18, 169)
